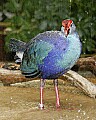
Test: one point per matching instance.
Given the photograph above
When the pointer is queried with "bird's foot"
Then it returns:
(57, 106)
(41, 106)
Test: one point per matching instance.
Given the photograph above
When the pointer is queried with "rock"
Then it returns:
(86, 64)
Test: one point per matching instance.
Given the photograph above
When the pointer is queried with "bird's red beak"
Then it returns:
(66, 31)
(66, 24)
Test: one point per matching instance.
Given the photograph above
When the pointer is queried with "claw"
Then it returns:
(41, 106)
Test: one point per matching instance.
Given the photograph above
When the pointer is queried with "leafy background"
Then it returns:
(27, 18)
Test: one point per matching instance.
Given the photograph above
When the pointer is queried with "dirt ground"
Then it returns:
(21, 103)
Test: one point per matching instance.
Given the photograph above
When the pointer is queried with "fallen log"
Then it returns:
(82, 83)
(15, 76)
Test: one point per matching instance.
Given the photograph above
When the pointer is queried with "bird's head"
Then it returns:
(68, 27)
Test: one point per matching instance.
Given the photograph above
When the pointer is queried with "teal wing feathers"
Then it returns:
(34, 56)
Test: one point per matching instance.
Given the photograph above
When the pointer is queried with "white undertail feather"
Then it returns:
(20, 54)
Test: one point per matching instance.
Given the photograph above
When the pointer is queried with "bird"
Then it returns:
(49, 55)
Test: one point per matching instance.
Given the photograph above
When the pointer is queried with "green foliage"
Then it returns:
(34, 16)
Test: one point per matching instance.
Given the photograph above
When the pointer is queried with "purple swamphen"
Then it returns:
(49, 55)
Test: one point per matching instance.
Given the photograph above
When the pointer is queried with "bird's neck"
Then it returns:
(73, 37)
(74, 42)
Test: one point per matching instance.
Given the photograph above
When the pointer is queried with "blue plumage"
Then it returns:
(49, 55)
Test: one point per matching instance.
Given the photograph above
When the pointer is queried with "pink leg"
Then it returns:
(57, 93)
(42, 83)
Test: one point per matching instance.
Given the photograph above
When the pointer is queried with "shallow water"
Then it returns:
(21, 103)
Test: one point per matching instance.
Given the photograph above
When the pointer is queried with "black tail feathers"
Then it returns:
(32, 74)
(16, 45)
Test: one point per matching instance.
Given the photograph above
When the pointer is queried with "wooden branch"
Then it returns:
(15, 76)
(82, 83)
